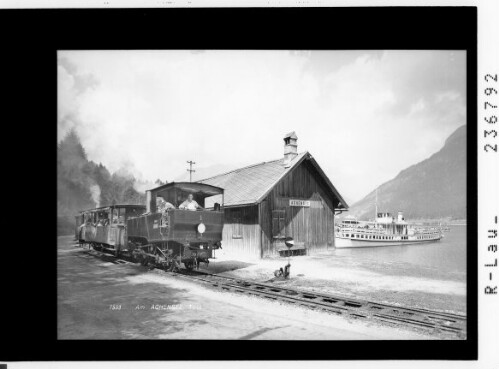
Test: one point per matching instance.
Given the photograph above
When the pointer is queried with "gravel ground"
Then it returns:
(98, 299)
(387, 282)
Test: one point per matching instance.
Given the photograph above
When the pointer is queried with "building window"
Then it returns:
(237, 224)
(278, 223)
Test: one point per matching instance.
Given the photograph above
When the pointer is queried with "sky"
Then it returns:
(363, 115)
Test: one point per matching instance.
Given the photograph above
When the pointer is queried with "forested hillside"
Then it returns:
(83, 184)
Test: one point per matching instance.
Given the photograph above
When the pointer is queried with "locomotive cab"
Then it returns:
(182, 224)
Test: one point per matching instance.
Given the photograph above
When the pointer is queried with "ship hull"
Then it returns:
(341, 242)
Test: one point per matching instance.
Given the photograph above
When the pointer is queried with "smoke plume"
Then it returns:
(95, 191)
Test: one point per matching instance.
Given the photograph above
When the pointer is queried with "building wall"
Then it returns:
(312, 227)
(241, 232)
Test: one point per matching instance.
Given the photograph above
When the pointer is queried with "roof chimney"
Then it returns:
(290, 147)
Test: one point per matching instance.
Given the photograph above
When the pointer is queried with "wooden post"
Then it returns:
(190, 170)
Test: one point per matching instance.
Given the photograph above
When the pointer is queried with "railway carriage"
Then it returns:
(165, 237)
(105, 227)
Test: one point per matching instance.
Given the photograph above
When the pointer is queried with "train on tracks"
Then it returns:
(164, 233)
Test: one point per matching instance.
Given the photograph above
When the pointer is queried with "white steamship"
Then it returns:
(385, 230)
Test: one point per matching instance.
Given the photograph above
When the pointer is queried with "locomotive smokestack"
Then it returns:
(290, 147)
(150, 202)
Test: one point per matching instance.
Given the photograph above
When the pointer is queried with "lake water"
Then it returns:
(444, 259)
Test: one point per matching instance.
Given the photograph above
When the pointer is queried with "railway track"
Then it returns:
(446, 324)
(419, 318)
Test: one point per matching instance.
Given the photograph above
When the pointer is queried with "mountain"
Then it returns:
(432, 189)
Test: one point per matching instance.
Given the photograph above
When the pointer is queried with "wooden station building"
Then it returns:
(266, 202)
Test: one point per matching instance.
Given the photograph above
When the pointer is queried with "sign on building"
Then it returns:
(302, 203)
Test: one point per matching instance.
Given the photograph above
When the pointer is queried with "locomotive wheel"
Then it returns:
(189, 265)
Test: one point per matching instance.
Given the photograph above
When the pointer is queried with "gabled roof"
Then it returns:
(251, 184)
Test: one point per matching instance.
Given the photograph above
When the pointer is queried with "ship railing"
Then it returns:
(379, 231)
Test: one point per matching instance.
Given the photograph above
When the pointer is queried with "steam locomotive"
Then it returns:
(156, 235)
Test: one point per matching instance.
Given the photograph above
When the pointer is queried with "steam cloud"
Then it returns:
(95, 191)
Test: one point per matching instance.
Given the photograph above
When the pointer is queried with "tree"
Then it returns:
(76, 176)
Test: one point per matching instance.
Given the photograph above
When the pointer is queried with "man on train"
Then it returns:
(162, 205)
(190, 204)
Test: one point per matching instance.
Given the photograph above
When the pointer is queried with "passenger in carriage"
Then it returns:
(190, 204)
(103, 219)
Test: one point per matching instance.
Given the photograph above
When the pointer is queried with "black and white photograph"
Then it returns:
(263, 184)
(261, 195)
